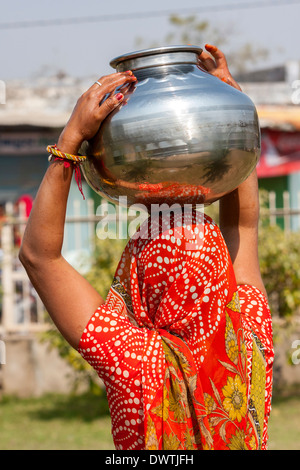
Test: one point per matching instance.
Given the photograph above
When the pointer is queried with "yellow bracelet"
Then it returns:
(68, 159)
(53, 150)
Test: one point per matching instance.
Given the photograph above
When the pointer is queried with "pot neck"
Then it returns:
(156, 57)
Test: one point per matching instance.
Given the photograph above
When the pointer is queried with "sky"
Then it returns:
(85, 49)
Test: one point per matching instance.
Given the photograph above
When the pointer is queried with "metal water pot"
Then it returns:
(181, 135)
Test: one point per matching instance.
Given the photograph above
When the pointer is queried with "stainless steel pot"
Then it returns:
(182, 135)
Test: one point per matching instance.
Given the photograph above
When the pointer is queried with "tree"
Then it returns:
(191, 30)
(280, 267)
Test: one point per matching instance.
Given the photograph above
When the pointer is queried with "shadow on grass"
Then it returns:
(285, 394)
(277, 401)
(86, 407)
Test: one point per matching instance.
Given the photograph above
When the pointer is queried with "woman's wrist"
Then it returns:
(68, 144)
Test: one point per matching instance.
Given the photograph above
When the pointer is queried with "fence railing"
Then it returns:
(290, 216)
(21, 309)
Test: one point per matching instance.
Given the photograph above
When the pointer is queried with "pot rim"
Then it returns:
(154, 51)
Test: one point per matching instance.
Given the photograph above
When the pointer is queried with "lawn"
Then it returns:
(56, 422)
(284, 428)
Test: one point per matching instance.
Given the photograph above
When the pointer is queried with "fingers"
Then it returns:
(207, 62)
(109, 85)
(207, 59)
(104, 95)
(110, 82)
(109, 105)
(215, 63)
(218, 56)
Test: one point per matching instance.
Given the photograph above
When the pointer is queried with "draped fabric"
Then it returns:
(183, 367)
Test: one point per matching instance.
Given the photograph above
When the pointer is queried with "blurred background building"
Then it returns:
(276, 93)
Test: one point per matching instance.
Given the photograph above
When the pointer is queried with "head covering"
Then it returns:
(175, 266)
(176, 279)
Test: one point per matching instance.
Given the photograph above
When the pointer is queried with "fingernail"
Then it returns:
(129, 72)
(119, 96)
(209, 46)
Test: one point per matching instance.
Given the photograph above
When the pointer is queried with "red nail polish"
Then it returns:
(212, 48)
(129, 72)
(119, 96)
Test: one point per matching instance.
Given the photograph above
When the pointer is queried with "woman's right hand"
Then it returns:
(90, 111)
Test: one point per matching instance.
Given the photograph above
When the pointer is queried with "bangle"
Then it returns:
(53, 150)
(68, 159)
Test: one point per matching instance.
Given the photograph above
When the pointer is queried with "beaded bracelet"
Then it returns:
(53, 150)
(68, 159)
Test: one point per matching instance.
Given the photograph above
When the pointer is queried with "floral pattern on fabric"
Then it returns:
(180, 416)
(257, 326)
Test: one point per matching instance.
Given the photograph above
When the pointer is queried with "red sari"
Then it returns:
(183, 366)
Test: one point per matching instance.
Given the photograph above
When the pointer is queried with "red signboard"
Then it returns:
(280, 153)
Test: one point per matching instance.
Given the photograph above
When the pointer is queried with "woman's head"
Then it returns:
(171, 267)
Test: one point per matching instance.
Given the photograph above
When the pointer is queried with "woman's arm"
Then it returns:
(239, 216)
(239, 210)
(69, 299)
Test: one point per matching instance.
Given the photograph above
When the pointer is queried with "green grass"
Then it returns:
(284, 426)
(59, 422)
(55, 422)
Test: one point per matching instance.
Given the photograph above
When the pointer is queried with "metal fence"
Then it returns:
(21, 309)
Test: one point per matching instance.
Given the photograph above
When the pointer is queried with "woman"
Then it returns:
(183, 341)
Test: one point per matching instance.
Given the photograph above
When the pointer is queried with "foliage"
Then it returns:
(191, 30)
(106, 256)
(280, 268)
(213, 211)
(246, 55)
(279, 257)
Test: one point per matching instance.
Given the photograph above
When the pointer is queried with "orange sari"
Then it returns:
(183, 367)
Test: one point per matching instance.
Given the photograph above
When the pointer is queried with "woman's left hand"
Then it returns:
(216, 64)
(91, 110)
